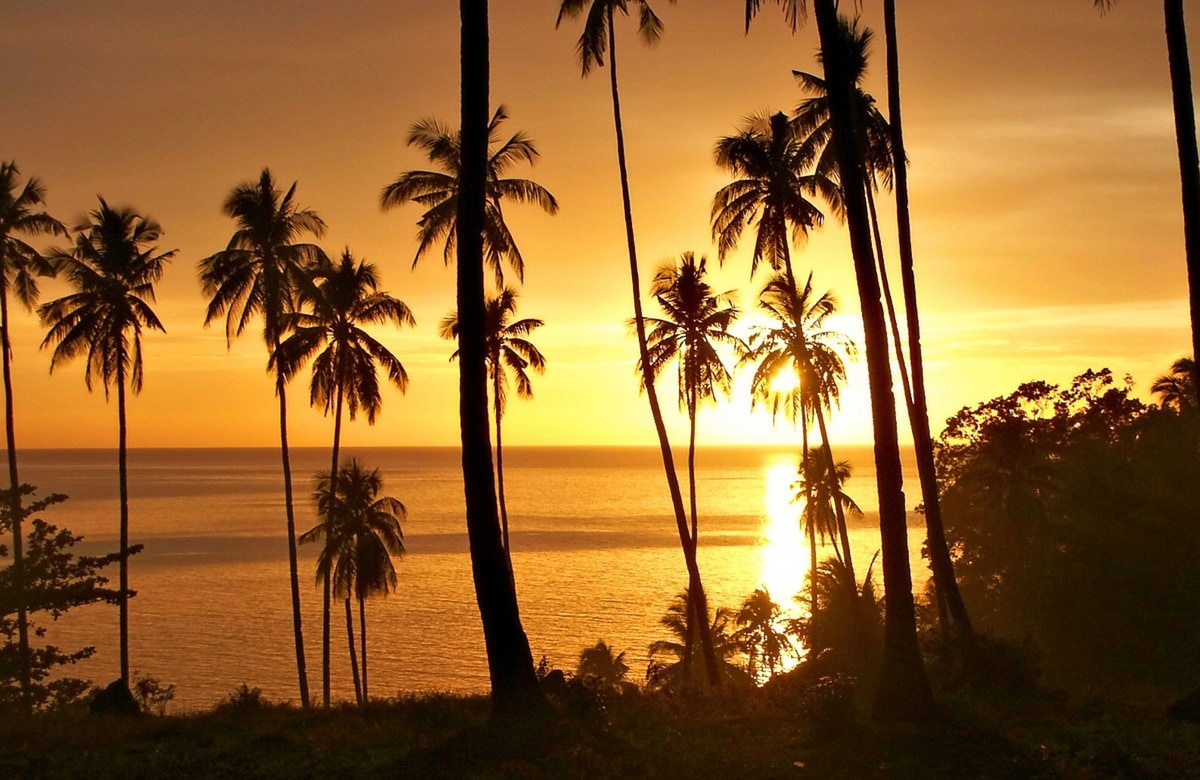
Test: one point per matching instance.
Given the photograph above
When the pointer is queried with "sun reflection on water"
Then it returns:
(784, 550)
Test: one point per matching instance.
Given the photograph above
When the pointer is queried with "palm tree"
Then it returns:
(822, 495)
(508, 350)
(883, 163)
(510, 662)
(113, 268)
(1189, 159)
(602, 664)
(361, 530)
(343, 297)
(256, 275)
(599, 38)
(20, 265)
(904, 689)
(439, 191)
(770, 162)
(798, 342)
(671, 659)
(759, 634)
(1176, 389)
(697, 319)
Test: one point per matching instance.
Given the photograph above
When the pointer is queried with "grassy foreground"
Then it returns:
(605, 736)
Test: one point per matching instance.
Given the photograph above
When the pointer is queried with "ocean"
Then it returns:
(595, 556)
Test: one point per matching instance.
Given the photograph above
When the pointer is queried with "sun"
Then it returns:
(784, 382)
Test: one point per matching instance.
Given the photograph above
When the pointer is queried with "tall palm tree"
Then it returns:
(597, 40)
(776, 172)
(697, 319)
(113, 267)
(255, 275)
(20, 265)
(904, 689)
(882, 163)
(510, 662)
(1189, 160)
(343, 297)
(798, 342)
(361, 531)
(508, 350)
(439, 191)
(1176, 389)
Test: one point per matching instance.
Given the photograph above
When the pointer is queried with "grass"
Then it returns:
(595, 735)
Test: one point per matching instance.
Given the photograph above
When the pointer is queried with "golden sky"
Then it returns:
(1044, 194)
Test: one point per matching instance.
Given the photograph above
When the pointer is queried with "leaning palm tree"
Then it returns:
(882, 164)
(342, 297)
(113, 267)
(255, 275)
(697, 319)
(438, 190)
(599, 38)
(509, 350)
(1189, 161)
(361, 531)
(1176, 389)
(904, 692)
(20, 265)
(510, 662)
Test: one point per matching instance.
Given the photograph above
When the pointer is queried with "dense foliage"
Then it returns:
(1075, 521)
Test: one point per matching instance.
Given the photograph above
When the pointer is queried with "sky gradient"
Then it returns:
(1044, 181)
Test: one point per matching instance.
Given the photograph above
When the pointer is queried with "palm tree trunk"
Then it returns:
(808, 510)
(122, 477)
(904, 689)
(333, 473)
(695, 587)
(500, 458)
(326, 609)
(362, 638)
(15, 506)
(949, 598)
(510, 662)
(692, 467)
(1189, 165)
(293, 561)
(838, 511)
(358, 692)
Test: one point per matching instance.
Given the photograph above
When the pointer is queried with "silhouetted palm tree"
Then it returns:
(904, 689)
(510, 663)
(113, 268)
(508, 350)
(882, 164)
(697, 319)
(1189, 160)
(343, 297)
(1176, 389)
(760, 635)
(771, 163)
(255, 275)
(361, 530)
(20, 265)
(439, 191)
(597, 39)
(798, 342)
(821, 496)
(671, 659)
(602, 664)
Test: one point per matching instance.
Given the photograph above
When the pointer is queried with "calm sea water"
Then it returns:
(595, 553)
